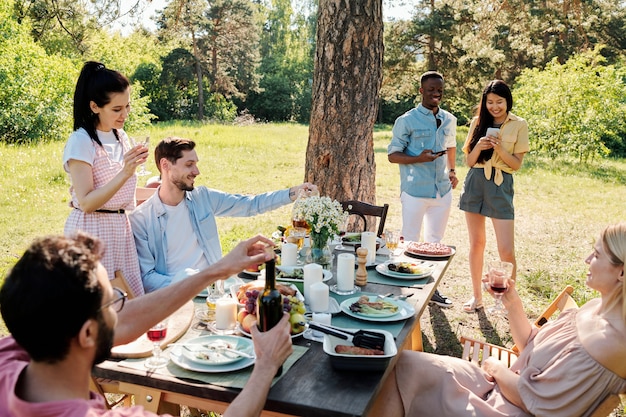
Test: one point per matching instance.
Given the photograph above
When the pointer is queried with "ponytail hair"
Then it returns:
(95, 83)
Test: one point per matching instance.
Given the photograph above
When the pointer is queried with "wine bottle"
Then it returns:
(270, 303)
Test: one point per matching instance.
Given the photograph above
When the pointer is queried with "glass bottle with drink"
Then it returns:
(270, 302)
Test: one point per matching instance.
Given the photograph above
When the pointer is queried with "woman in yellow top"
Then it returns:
(488, 189)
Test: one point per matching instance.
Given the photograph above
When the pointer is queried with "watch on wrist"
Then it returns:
(452, 170)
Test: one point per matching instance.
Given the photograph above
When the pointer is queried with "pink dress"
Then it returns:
(113, 229)
(557, 378)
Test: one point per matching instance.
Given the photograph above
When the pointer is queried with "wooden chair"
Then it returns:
(143, 193)
(476, 350)
(120, 282)
(107, 388)
(362, 209)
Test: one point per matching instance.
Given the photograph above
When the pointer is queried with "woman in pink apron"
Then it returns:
(101, 165)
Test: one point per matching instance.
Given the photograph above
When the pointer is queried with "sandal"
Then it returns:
(471, 306)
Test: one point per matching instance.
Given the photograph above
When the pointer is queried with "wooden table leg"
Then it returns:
(149, 398)
(416, 338)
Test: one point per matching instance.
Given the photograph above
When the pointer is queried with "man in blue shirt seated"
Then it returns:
(175, 229)
(424, 145)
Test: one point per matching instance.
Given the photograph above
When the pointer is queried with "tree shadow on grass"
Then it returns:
(446, 340)
(487, 329)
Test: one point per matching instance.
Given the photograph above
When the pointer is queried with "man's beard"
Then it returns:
(182, 186)
(105, 341)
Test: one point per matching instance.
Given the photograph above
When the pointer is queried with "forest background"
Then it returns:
(254, 59)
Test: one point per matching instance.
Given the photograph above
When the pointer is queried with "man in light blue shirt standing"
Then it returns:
(175, 229)
(424, 145)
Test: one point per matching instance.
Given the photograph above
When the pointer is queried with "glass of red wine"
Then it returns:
(156, 335)
(499, 273)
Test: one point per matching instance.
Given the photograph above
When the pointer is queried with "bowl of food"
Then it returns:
(345, 356)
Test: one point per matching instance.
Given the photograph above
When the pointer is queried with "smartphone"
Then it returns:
(441, 152)
(493, 131)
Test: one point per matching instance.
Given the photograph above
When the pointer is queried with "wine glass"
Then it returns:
(156, 334)
(143, 141)
(343, 229)
(392, 240)
(499, 273)
(215, 292)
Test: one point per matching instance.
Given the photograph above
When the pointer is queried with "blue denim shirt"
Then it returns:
(204, 204)
(415, 131)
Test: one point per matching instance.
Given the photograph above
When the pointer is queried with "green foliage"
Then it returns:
(284, 92)
(36, 93)
(574, 109)
(218, 108)
(474, 41)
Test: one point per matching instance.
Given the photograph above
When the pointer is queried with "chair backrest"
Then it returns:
(143, 193)
(362, 209)
(120, 282)
(562, 302)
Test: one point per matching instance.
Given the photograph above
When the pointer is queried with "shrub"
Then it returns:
(576, 109)
(36, 89)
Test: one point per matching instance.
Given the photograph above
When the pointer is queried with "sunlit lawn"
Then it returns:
(560, 207)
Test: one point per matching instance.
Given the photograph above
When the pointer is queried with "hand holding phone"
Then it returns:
(493, 131)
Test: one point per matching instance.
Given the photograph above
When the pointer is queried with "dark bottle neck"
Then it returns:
(270, 274)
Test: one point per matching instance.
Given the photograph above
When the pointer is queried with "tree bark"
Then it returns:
(346, 83)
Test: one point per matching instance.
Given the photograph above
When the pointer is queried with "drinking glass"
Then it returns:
(143, 141)
(392, 240)
(156, 335)
(343, 228)
(215, 291)
(499, 273)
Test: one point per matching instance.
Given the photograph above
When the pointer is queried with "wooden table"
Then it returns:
(310, 388)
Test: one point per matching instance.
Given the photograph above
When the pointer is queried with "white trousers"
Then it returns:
(433, 212)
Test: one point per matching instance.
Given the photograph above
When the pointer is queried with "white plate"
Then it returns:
(405, 311)
(199, 345)
(384, 270)
(327, 275)
(179, 359)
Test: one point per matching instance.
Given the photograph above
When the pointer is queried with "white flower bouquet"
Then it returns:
(323, 215)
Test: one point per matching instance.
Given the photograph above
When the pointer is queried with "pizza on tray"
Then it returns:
(429, 249)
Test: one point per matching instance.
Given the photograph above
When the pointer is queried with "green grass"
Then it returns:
(561, 206)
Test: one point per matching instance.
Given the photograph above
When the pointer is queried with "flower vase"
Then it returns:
(320, 251)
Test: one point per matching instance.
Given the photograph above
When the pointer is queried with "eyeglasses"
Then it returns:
(118, 301)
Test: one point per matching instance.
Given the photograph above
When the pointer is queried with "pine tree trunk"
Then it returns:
(346, 84)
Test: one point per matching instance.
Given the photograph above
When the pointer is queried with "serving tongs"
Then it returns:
(361, 338)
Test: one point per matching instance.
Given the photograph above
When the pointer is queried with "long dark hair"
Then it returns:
(485, 119)
(95, 83)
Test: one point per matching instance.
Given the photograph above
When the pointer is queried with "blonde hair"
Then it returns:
(613, 240)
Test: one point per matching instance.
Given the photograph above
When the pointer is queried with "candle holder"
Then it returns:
(337, 291)
(212, 327)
